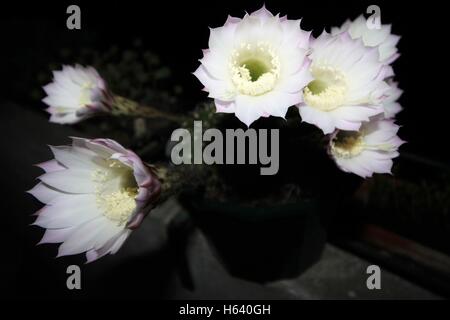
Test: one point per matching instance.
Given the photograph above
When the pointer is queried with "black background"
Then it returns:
(178, 30)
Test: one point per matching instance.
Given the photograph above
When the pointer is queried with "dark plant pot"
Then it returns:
(261, 244)
(271, 241)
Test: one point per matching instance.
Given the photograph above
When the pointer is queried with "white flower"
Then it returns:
(390, 104)
(256, 66)
(381, 38)
(95, 193)
(368, 151)
(348, 85)
(75, 94)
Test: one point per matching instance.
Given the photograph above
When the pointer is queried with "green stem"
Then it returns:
(175, 179)
(122, 106)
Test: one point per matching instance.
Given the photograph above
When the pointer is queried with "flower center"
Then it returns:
(254, 68)
(347, 144)
(85, 93)
(116, 191)
(328, 89)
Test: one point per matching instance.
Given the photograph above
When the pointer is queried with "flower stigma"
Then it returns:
(116, 191)
(85, 94)
(328, 89)
(255, 68)
(347, 144)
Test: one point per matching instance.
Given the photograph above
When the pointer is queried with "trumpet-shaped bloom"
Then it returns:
(256, 66)
(382, 38)
(367, 151)
(95, 192)
(348, 85)
(75, 94)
